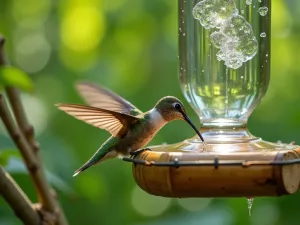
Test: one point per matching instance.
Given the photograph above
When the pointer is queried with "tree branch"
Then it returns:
(16, 198)
(28, 147)
(13, 95)
(17, 137)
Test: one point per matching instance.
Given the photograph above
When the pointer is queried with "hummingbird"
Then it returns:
(130, 128)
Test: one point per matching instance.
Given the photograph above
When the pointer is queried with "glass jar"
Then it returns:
(224, 62)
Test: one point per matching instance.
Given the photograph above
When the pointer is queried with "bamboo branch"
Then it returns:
(25, 141)
(18, 201)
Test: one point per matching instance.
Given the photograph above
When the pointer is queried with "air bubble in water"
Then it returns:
(212, 13)
(233, 37)
(236, 42)
(217, 38)
(263, 34)
(263, 11)
(248, 2)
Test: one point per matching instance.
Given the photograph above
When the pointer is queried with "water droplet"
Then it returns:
(267, 55)
(250, 203)
(242, 11)
(242, 77)
(183, 34)
(259, 1)
(263, 11)
(202, 71)
(263, 34)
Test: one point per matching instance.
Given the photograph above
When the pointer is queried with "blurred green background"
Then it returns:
(130, 46)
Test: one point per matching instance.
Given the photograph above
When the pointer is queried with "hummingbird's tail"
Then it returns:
(98, 157)
(84, 167)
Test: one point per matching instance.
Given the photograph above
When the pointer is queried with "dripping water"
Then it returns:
(250, 203)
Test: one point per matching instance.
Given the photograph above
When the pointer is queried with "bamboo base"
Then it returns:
(221, 181)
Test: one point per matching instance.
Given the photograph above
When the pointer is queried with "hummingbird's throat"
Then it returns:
(156, 118)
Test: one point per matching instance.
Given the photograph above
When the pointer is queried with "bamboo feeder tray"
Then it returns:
(184, 174)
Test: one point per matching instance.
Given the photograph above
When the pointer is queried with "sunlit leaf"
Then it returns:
(7, 154)
(15, 77)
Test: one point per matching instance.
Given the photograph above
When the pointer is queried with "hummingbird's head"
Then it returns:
(171, 108)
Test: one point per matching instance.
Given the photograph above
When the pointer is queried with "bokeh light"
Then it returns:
(194, 204)
(36, 111)
(148, 205)
(32, 51)
(30, 13)
(82, 28)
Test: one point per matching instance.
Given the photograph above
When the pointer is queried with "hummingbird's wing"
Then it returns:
(101, 97)
(114, 122)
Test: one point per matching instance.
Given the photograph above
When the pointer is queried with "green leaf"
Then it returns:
(7, 154)
(13, 76)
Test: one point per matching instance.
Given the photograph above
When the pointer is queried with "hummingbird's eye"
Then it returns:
(177, 106)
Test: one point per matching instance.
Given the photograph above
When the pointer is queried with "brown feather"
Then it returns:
(101, 97)
(114, 122)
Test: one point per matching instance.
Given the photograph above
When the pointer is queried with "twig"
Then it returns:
(13, 95)
(18, 201)
(28, 147)
(17, 137)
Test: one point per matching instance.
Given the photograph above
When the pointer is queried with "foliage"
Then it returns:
(130, 46)
(11, 76)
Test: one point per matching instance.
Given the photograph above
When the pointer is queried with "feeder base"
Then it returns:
(206, 170)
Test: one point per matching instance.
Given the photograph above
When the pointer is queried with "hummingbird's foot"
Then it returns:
(139, 151)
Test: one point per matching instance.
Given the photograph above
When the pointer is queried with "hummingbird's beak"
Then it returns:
(187, 119)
